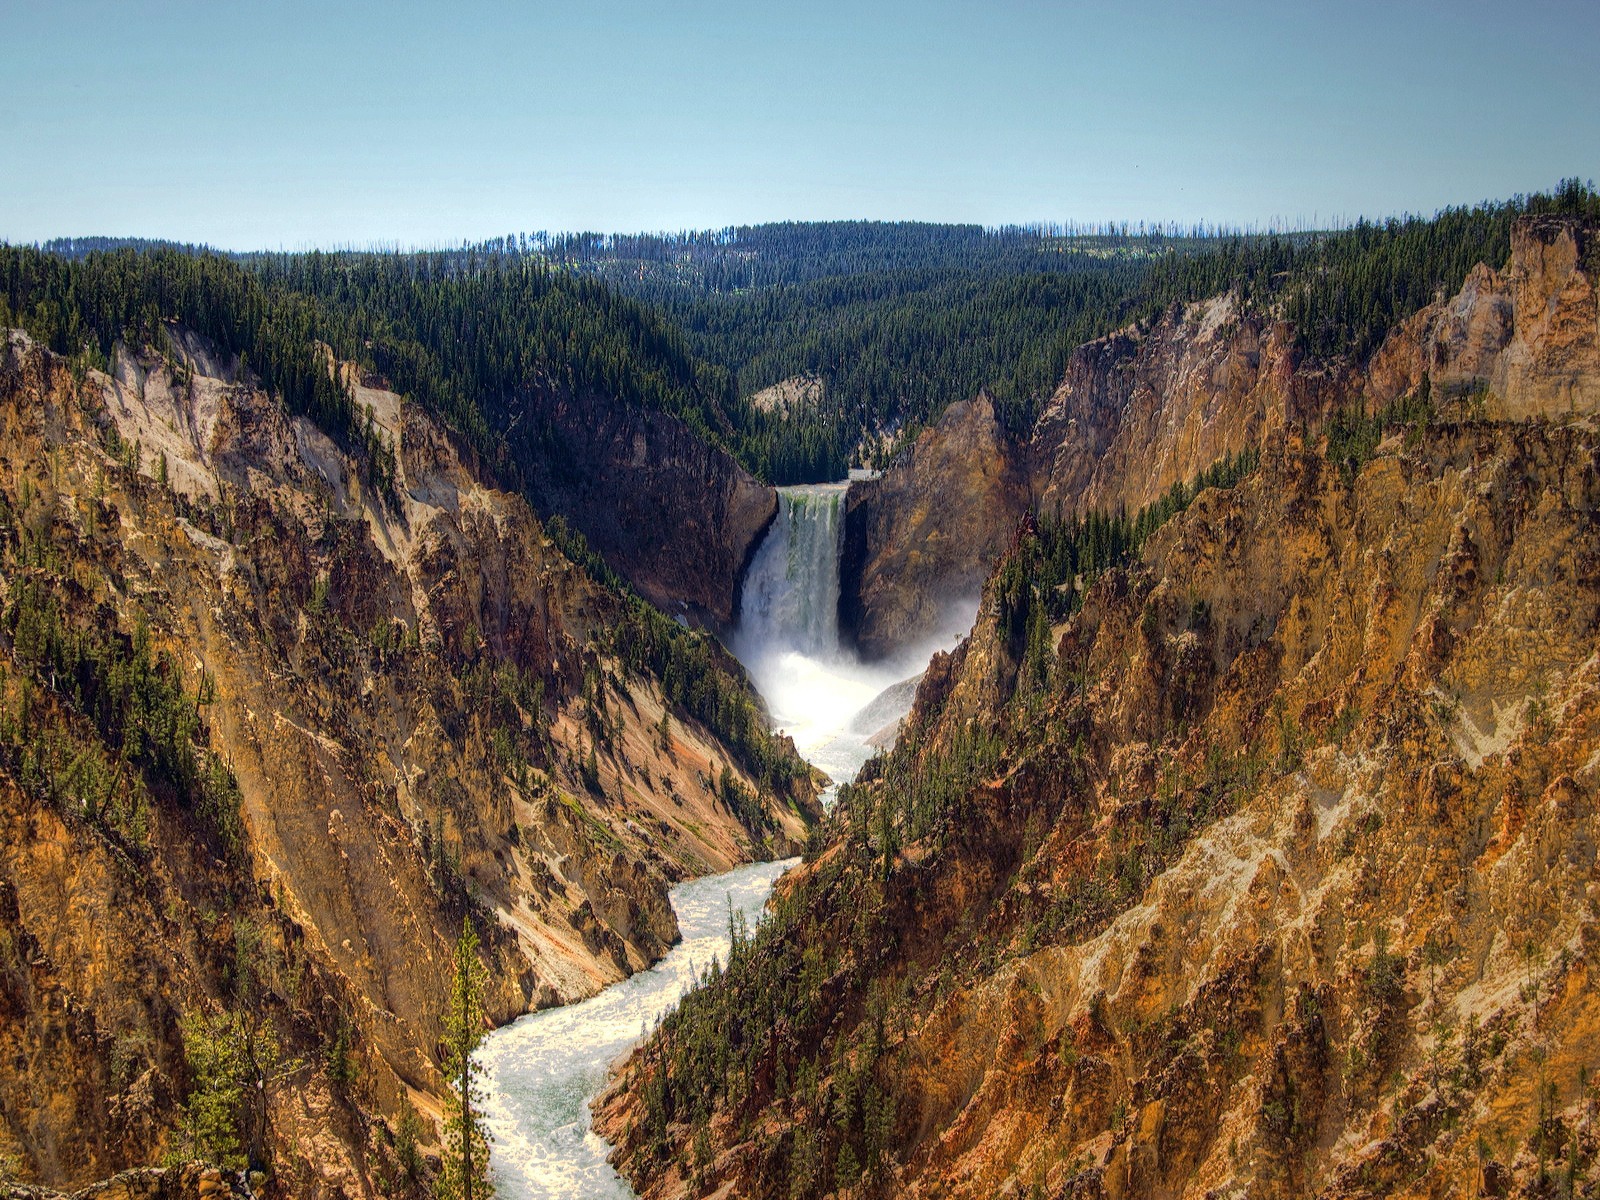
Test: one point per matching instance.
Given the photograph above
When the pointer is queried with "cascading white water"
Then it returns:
(788, 637)
(541, 1071)
(791, 594)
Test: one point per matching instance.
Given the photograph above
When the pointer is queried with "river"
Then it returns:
(542, 1070)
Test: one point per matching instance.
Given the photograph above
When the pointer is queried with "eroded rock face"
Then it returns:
(1141, 410)
(190, 1181)
(1277, 877)
(421, 728)
(919, 540)
(1145, 408)
(677, 517)
(1515, 344)
(1136, 412)
(1246, 906)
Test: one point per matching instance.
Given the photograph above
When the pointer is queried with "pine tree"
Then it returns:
(213, 1115)
(465, 1173)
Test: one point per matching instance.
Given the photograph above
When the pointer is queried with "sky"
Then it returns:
(277, 123)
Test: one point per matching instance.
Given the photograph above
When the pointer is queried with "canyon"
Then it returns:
(1261, 863)
(417, 704)
(1244, 845)
(615, 470)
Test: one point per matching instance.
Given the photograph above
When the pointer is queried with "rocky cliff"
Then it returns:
(1269, 870)
(677, 517)
(920, 539)
(1513, 344)
(1154, 405)
(1135, 413)
(1146, 408)
(271, 732)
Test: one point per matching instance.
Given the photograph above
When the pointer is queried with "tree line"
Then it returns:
(899, 320)
(83, 306)
(896, 319)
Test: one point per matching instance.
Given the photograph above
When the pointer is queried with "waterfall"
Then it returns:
(788, 635)
(790, 602)
(838, 710)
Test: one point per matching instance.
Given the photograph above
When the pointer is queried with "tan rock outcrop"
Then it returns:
(416, 697)
(920, 539)
(1519, 343)
(1149, 407)
(1144, 409)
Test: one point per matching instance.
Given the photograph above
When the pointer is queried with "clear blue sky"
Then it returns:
(281, 123)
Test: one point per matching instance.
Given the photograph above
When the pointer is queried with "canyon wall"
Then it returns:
(674, 515)
(1270, 869)
(920, 538)
(1147, 407)
(271, 734)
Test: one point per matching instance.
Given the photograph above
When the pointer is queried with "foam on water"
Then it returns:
(542, 1070)
(788, 636)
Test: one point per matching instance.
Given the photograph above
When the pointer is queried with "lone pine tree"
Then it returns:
(465, 1173)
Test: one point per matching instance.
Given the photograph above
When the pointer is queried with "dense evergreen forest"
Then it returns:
(656, 267)
(82, 247)
(895, 320)
(898, 320)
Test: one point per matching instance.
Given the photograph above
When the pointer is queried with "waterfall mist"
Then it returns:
(788, 639)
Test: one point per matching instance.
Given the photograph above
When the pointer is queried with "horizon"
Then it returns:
(291, 126)
(1065, 230)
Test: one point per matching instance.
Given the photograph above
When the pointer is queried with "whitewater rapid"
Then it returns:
(541, 1072)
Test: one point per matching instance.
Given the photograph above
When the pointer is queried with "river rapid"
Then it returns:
(541, 1071)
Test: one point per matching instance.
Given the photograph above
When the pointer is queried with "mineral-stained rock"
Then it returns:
(1517, 343)
(189, 1181)
(406, 690)
(1151, 406)
(1276, 875)
(920, 539)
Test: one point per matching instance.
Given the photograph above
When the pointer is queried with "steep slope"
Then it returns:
(1271, 870)
(1136, 412)
(920, 539)
(1143, 409)
(1515, 344)
(272, 732)
(1155, 404)
(674, 515)
(552, 384)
